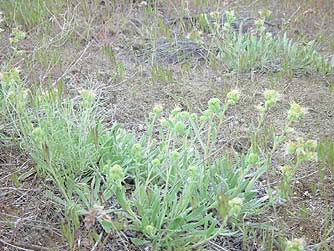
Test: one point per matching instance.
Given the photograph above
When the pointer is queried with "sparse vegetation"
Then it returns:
(187, 130)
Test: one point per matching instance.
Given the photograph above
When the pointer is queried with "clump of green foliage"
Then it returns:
(258, 49)
(173, 186)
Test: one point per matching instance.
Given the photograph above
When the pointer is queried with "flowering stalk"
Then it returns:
(216, 110)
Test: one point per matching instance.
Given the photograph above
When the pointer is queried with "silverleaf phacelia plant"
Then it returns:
(184, 191)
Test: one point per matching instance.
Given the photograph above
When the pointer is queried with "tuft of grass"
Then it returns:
(162, 75)
(47, 58)
(28, 13)
(325, 151)
(326, 154)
